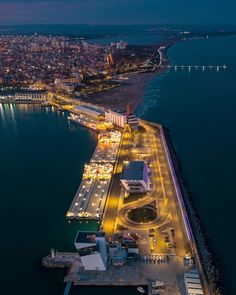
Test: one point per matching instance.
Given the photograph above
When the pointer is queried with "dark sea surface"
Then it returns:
(199, 108)
(131, 38)
(42, 158)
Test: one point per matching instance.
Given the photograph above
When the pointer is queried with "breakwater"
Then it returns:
(206, 257)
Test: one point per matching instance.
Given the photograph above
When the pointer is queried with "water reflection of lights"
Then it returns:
(2, 112)
(12, 112)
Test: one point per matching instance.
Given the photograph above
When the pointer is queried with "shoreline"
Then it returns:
(49, 262)
(133, 93)
(132, 90)
(206, 259)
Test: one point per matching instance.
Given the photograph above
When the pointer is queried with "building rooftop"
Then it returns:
(86, 237)
(121, 112)
(30, 91)
(88, 250)
(133, 170)
(89, 110)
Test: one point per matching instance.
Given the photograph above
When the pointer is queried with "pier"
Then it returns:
(101, 197)
(216, 68)
(90, 198)
(134, 273)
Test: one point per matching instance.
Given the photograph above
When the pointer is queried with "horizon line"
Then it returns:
(114, 25)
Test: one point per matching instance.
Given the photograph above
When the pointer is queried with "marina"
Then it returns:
(148, 235)
(103, 261)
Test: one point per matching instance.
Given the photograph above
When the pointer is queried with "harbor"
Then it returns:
(112, 197)
(44, 138)
(90, 199)
(126, 251)
(138, 273)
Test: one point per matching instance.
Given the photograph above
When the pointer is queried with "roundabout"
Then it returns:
(142, 215)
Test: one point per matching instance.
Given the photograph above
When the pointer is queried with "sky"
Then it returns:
(117, 12)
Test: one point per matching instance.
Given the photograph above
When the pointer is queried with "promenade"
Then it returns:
(100, 196)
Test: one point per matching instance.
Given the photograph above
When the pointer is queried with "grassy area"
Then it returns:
(142, 215)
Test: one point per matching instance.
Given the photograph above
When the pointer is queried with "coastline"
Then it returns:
(132, 90)
(206, 259)
(185, 185)
(132, 93)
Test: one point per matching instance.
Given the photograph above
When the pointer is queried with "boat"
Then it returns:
(45, 104)
(76, 119)
(141, 290)
(60, 109)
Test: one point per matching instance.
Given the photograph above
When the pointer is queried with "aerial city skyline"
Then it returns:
(117, 147)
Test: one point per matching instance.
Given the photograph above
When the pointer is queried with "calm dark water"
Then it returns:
(42, 159)
(134, 39)
(199, 108)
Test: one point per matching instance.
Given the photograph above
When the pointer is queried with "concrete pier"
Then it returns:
(134, 273)
(174, 238)
(90, 198)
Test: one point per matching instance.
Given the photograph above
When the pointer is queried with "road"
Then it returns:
(110, 214)
(169, 191)
(147, 145)
(157, 194)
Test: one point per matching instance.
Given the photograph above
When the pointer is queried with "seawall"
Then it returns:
(204, 257)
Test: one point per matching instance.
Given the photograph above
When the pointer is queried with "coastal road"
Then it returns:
(163, 193)
(145, 148)
(173, 208)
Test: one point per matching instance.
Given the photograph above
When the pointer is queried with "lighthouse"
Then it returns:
(53, 253)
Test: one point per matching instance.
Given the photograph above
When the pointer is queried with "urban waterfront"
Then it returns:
(50, 157)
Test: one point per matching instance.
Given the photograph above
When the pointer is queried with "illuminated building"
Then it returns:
(31, 95)
(121, 118)
(118, 118)
(135, 177)
(89, 111)
(110, 59)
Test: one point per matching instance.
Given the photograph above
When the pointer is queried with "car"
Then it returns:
(167, 239)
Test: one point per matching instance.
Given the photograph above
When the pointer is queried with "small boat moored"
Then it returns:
(141, 290)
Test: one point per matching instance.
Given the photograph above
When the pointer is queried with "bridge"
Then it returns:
(193, 67)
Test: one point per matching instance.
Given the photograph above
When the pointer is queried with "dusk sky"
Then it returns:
(117, 11)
